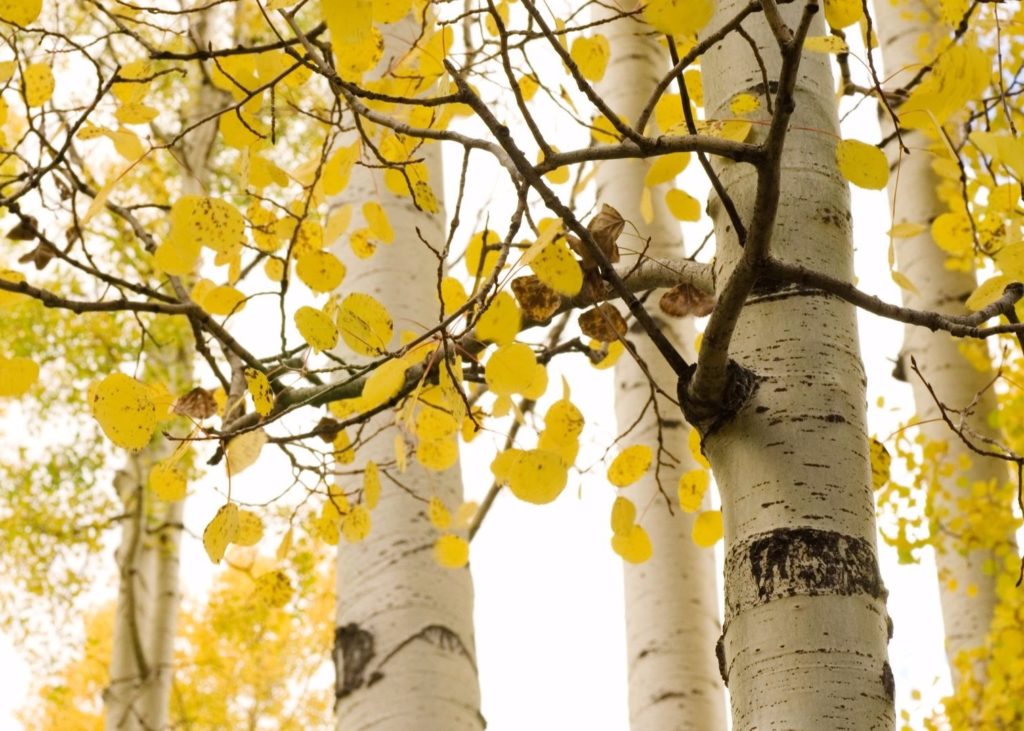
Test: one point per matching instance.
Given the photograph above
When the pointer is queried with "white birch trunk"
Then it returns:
(967, 563)
(404, 649)
(804, 642)
(672, 613)
(149, 596)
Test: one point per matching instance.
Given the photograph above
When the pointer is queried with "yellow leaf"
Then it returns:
(39, 84)
(666, 168)
(556, 267)
(244, 450)
(259, 388)
(743, 104)
(602, 130)
(355, 526)
(7, 68)
(692, 486)
(209, 222)
(881, 461)
(316, 328)
(623, 515)
(273, 589)
(321, 271)
(613, 351)
(902, 281)
(679, 17)
(907, 230)
(953, 233)
(465, 514)
(383, 383)
(365, 324)
(862, 164)
(439, 516)
(591, 56)
(633, 544)
(437, 454)
(371, 485)
(167, 482)
(693, 441)
(453, 295)
(451, 551)
(125, 411)
(682, 205)
(559, 175)
(17, 375)
(989, 291)
(377, 222)
(825, 44)
(707, 528)
(563, 424)
(220, 532)
(482, 254)
(630, 465)
(20, 12)
(513, 368)
(536, 476)
(250, 529)
(528, 86)
(221, 300)
(841, 13)
(501, 321)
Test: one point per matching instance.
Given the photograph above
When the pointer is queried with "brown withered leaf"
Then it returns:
(25, 230)
(197, 403)
(40, 256)
(538, 301)
(327, 428)
(606, 227)
(684, 300)
(603, 323)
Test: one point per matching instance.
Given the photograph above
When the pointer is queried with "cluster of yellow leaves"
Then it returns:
(693, 485)
(230, 525)
(340, 518)
(540, 475)
(629, 539)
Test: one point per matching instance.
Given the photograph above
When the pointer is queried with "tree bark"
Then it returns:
(404, 648)
(804, 641)
(672, 613)
(969, 555)
(141, 671)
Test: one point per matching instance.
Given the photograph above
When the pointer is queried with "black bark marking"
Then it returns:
(888, 682)
(811, 562)
(353, 651)
(720, 654)
(437, 635)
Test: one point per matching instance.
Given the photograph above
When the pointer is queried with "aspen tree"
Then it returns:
(672, 618)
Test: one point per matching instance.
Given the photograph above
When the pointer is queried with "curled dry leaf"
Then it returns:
(40, 256)
(606, 227)
(603, 323)
(327, 428)
(25, 230)
(197, 403)
(684, 300)
(537, 300)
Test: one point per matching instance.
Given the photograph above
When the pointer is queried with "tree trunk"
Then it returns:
(672, 614)
(804, 641)
(404, 649)
(969, 555)
(146, 613)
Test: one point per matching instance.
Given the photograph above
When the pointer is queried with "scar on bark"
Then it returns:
(708, 417)
(353, 651)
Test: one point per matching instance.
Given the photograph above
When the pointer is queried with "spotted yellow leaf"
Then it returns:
(316, 328)
(692, 486)
(260, 390)
(250, 529)
(167, 482)
(125, 411)
(365, 324)
(630, 465)
(355, 526)
(221, 531)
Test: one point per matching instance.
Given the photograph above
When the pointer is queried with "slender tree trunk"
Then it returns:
(404, 647)
(969, 555)
(146, 613)
(804, 641)
(672, 614)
